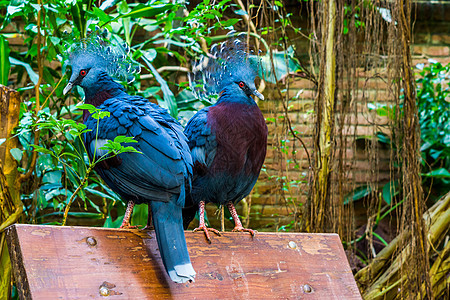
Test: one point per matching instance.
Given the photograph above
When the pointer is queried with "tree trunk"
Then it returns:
(325, 104)
(10, 204)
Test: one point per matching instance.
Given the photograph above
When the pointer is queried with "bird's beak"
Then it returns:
(68, 87)
(258, 94)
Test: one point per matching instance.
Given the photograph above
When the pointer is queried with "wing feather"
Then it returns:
(164, 165)
(202, 140)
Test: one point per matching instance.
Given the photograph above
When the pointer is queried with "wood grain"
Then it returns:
(52, 262)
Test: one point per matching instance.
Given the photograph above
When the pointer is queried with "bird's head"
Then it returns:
(226, 70)
(95, 63)
(241, 81)
(85, 73)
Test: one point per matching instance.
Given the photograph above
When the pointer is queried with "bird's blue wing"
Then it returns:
(164, 165)
(202, 140)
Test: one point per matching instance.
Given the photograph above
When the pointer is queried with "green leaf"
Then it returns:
(42, 150)
(33, 76)
(91, 108)
(380, 238)
(116, 146)
(390, 190)
(96, 207)
(123, 7)
(101, 15)
(99, 193)
(435, 153)
(281, 68)
(208, 16)
(439, 173)
(139, 215)
(169, 99)
(357, 194)
(150, 54)
(169, 41)
(11, 10)
(124, 139)
(129, 149)
(4, 60)
(73, 176)
(17, 154)
(53, 177)
(71, 155)
(383, 138)
(229, 22)
(425, 146)
(278, 3)
(146, 11)
(240, 12)
(101, 114)
(76, 16)
(107, 4)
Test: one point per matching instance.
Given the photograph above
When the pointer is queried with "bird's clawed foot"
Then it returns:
(148, 227)
(242, 229)
(126, 225)
(206, 230)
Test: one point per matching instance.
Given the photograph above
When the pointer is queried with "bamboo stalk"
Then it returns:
(439, 272)
(383, 274)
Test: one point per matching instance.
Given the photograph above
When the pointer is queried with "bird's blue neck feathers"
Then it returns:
(231, 94)
(104, 89)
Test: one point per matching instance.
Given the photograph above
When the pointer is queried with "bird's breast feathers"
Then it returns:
(241, 136)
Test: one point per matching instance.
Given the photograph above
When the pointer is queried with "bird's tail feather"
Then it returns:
(189, 211)
(168, 223)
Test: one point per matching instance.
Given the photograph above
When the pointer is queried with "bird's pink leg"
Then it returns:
(237, 223)
(127, 217)
(149, 225)
(202, 225)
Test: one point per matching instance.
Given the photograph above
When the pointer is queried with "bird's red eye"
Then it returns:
(241, 84)
(83, 72)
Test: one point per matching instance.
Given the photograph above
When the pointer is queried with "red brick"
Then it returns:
(417, 60)
(293, 105)
(301, 83)
(269, 199)
(440, 38)
(303, 94)
(271, 210)
(422, 38)
(417, 49)
(437, 51)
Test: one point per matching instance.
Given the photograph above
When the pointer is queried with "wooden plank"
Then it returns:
(52, 262)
